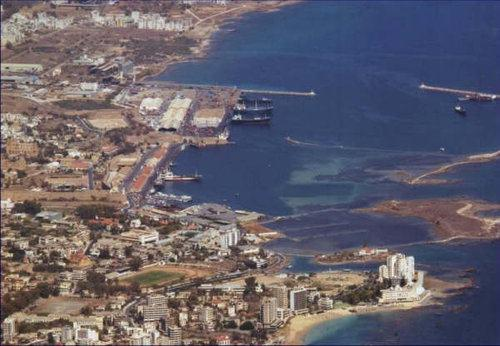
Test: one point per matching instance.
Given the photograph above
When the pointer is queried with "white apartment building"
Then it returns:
(325, 303)
(268, 309)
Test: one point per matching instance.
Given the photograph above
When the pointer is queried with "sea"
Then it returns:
(368, 125)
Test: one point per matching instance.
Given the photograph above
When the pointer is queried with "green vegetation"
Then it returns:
(25, 327)
(48, 267)
(90, 211)
(96, 283)
(84, 104)
(17, 301)
(368, 292)
(154, 277)
(171, 227)
(135, 263)
(28, 207)
(247, 325)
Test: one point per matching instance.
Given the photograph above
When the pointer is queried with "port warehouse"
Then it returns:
(208, 117)
(173, 117)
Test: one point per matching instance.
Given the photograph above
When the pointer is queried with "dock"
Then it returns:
(226, 87)
(279, 92)
(466, 93)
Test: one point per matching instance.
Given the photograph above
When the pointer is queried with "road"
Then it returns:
(218, 14)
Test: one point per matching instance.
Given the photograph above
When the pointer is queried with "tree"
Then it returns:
(128, 251)
(54, 255)
(247, 325)
(17, 254)
(44, 290)
(50, 339)
(231, 324)
(104, 253)
(28, 207)
(250, 285)
(86, 310)
(135, 263)
(90, 211)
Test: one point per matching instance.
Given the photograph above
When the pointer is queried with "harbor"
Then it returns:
(186, 116)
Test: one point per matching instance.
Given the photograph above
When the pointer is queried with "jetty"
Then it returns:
(157, 83)
(466, 93)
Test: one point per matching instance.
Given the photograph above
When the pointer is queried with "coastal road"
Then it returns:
(218, 14)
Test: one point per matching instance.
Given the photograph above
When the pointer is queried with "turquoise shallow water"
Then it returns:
(369, 119)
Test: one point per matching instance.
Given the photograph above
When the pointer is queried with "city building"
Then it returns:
(268, 310)
(223, 340)
(298, 300)
(229, 236)
(18, 148)
(281, 295)
(8, 329)
(154, 312)
(207, 314)
(325, 303)
(141, 236)
(282, 314)
(175, 334)
(398, 267)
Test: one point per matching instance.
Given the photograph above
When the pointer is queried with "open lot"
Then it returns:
(65, 305)
(168, 273)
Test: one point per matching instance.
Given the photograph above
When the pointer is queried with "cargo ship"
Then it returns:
(169, 176)
(261, 105)
(240, 118)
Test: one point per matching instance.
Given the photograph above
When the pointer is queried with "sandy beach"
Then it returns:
(298, 327)
(472, 159)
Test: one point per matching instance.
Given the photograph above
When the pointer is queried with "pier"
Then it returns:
(226, 87)
(466, 93)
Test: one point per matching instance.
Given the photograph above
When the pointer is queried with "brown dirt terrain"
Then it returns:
(65, 200)
(451, 218)
(65, 305)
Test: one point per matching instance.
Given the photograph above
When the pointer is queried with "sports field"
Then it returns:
(154, 277)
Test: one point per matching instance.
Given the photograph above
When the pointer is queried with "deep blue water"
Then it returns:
(368, 121)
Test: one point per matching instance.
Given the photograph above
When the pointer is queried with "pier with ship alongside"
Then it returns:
(463, 96)
(186, 115)
(252, 110)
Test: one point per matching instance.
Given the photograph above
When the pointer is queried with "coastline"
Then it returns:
(204, 34)
(451, 218)
(298, 327)
(424, 179)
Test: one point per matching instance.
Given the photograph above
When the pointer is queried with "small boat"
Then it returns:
(442, 149)
(459, 109)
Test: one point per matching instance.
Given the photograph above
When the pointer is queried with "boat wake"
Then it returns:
(374, 150)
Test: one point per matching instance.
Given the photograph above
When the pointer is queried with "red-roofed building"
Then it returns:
(223, 339)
